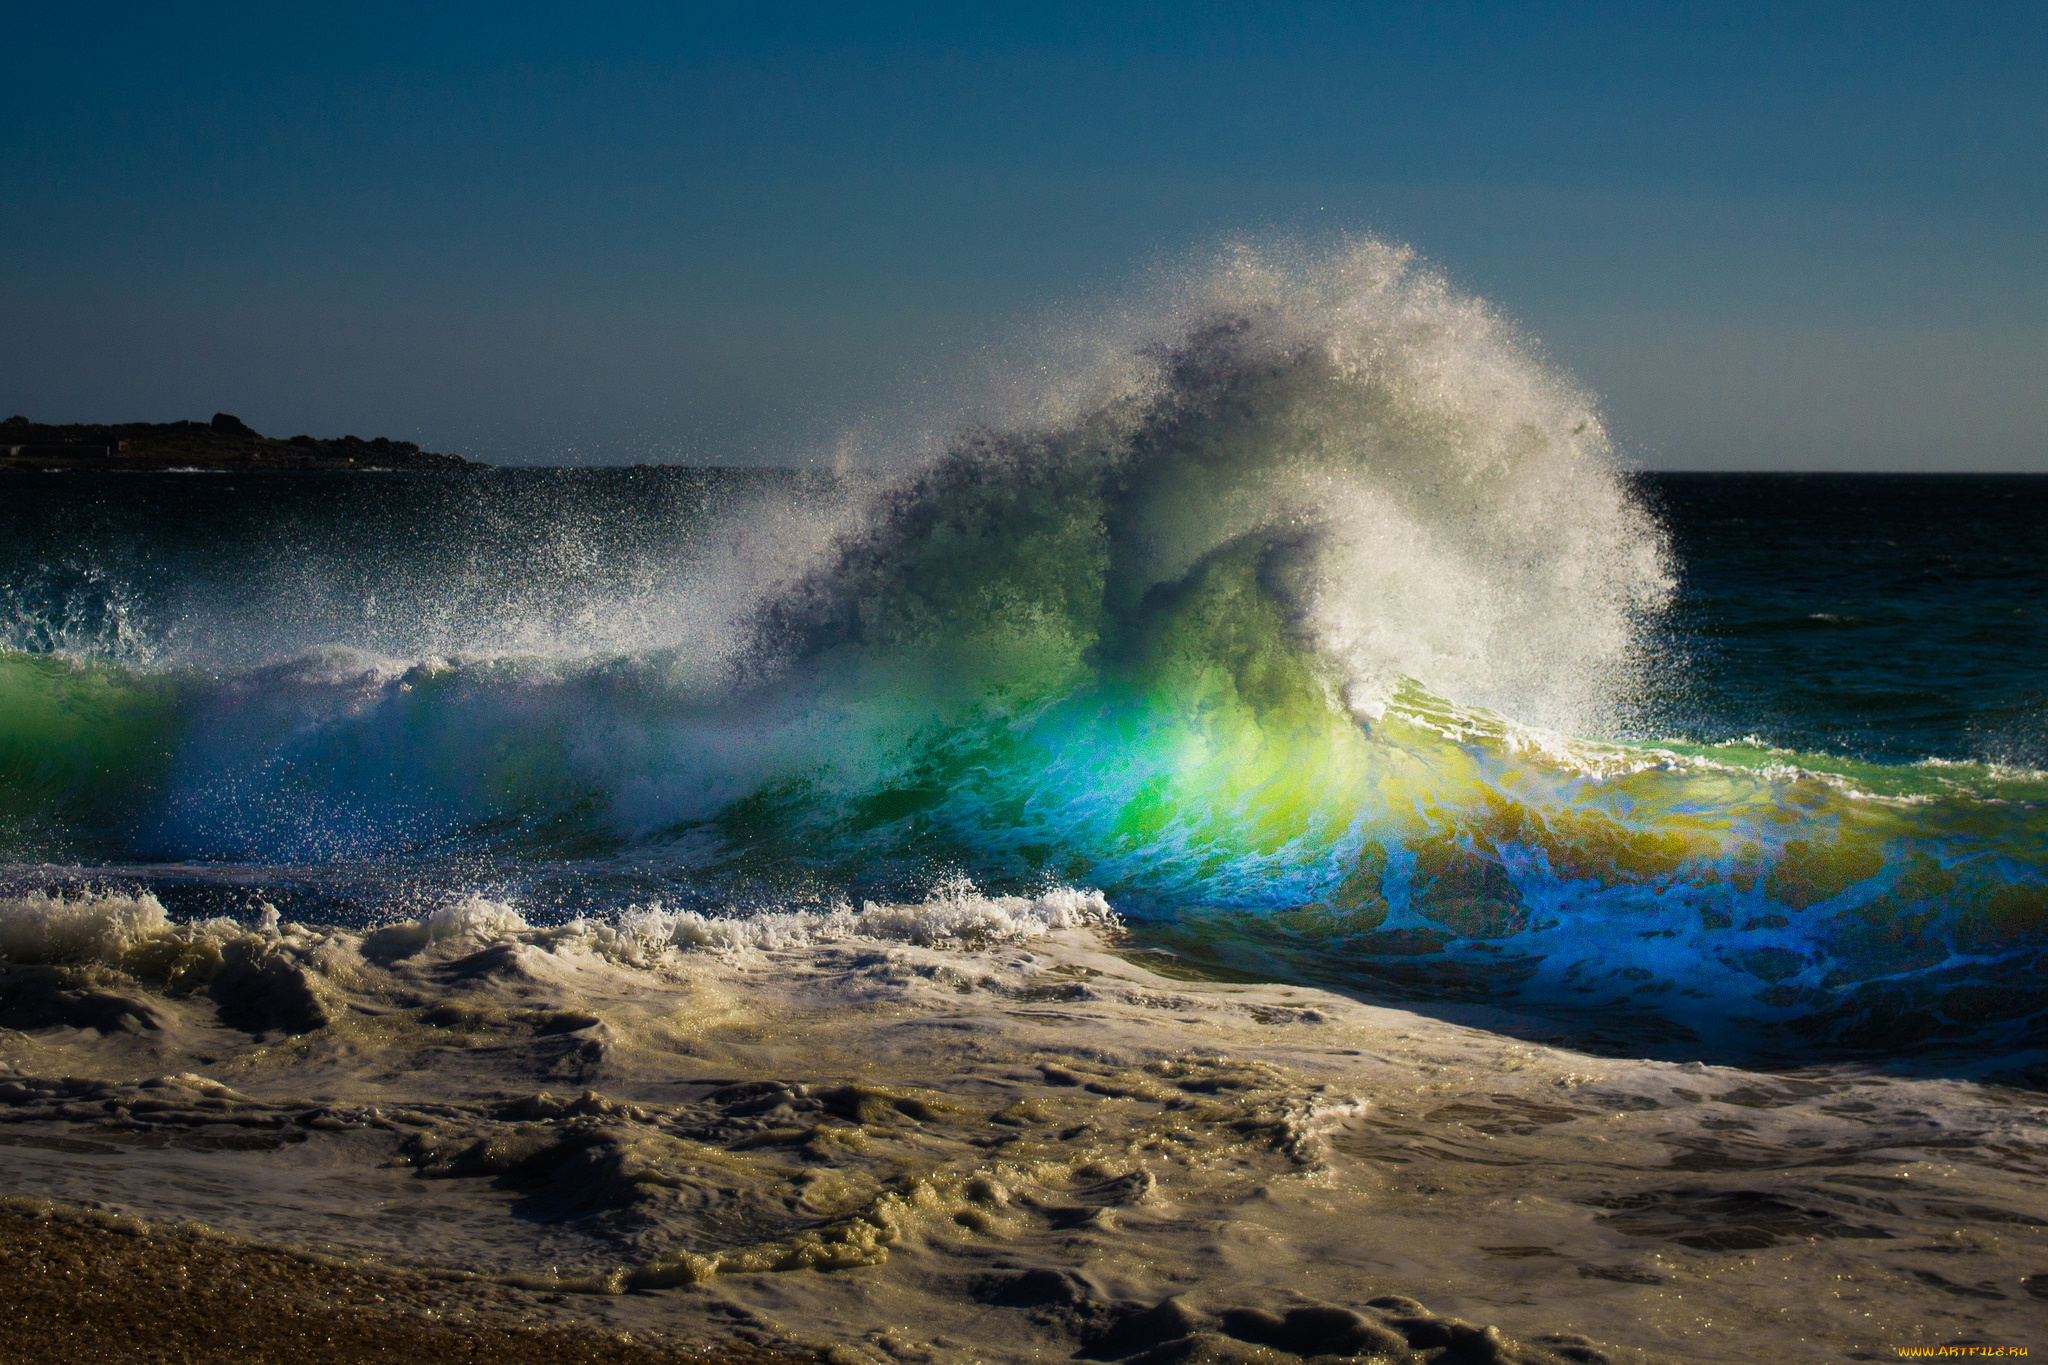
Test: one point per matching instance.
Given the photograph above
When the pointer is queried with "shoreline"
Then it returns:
(971, 1131)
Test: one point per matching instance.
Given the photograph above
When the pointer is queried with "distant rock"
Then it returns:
(225, 443)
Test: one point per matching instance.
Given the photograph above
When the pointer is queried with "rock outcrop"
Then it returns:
(226, 442)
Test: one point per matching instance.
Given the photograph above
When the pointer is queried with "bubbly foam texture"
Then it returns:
(953, 914)
(471, 918)
(112, 928)
(85, 928)
(1002, 1153)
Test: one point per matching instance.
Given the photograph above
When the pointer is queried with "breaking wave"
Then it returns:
(1306, 620)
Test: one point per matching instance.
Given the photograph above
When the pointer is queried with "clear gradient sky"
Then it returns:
(1773, 236)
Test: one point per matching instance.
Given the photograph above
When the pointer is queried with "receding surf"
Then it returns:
(1246, 830)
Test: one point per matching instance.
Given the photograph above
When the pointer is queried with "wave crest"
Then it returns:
(1425, 497)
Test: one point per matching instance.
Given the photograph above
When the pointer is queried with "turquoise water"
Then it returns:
(1330, 647)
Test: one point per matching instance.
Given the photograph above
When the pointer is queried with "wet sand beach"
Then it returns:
(85, 1289)
(969, 1130)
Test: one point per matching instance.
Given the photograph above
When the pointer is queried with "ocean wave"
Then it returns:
(1292, 621)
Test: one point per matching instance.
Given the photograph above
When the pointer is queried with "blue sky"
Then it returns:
(1794, 236)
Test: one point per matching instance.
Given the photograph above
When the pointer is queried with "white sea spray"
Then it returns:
(954, 913)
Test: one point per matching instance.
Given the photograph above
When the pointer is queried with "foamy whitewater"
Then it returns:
(1259, 843)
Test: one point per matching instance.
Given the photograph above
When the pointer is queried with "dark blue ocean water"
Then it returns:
(1879, 616)
(1820, 812)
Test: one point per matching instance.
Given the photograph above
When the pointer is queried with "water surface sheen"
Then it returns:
(1325, 640)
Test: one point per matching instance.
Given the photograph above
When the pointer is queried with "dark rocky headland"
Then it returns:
(224, 443)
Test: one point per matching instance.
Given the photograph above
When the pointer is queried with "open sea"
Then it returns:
(1315, 647)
